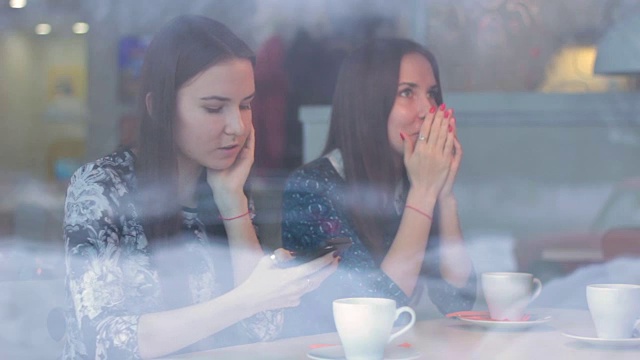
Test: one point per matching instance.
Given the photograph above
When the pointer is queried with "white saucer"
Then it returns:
(337, 353)
(588, 336)
(508, 325)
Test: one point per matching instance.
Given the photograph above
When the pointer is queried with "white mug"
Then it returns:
(509, 293)
(364, 325)
(614, 308)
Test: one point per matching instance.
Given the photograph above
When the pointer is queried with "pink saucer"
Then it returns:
(482, 318)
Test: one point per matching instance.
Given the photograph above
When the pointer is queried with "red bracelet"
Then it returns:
(420, 212)
(235, 217)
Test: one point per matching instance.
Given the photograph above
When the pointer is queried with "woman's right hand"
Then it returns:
(275, 287)
(428, 158)
(228, 185)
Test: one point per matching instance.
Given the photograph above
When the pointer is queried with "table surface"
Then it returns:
(454, 339)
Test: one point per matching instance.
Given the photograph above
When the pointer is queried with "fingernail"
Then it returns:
(335, 254)
(450, 128)
(402, 136)
(293, 253)
(432, 110)
(443, 106)
(446, 114)
(453, 120)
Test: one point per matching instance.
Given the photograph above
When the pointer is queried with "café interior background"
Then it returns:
(547, 141)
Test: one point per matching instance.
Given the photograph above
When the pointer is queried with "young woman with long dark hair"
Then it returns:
(143, 265)
(385, 181)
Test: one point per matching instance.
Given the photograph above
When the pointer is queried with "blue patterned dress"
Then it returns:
(110, 280)
(314, 211)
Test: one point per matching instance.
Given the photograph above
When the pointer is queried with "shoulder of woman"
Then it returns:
(104, 181)
(112, 166)
(320, 168)
(316, 176)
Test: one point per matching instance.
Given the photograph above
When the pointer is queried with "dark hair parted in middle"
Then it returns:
(184, 48)
(181, 50)
(364, 96)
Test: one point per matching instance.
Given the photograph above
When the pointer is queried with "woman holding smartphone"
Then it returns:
(143, 273)
(386, 182)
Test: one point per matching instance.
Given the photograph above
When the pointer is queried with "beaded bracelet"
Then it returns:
(235, 217)
(419, 212)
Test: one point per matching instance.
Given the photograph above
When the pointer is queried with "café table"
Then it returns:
(453, 339)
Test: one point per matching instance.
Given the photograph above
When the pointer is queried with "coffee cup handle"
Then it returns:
(406, 327)
(537, 288)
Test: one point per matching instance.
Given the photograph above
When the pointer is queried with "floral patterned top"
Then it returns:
(110, 280)
(314, 211)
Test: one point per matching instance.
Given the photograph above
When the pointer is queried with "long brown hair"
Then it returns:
(363, 99)
(182, 49)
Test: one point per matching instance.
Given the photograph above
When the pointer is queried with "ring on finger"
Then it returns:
(421, 137)
(274, 259)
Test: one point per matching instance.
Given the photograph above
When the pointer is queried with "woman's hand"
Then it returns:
(228, 184)
(275, 287)
(447, 189)
(428, 159)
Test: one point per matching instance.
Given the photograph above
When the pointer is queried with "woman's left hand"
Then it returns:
(447, 188)
(228, 184)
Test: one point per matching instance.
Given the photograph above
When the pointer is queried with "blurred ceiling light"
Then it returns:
(17, 4)
(80, 28)
(43, 29)
(619, 48)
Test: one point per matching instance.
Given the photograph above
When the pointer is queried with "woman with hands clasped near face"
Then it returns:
(143, 269)
(385, 181)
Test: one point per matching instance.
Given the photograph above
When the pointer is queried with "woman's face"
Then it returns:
(415, 95)
(214, 114)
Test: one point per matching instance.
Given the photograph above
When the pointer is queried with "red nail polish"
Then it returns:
(443, 106)
(402, 136)
(446, 114)
(450, 128)
(432, 110)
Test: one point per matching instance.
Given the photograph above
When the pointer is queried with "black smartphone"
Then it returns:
(331, 245)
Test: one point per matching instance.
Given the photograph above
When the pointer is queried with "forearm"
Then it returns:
(455, 264)
(405, 256)
(244, 246)
(165, 332)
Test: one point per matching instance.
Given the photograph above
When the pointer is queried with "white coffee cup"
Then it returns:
(365, 324)
(615, 309)
(509, 293)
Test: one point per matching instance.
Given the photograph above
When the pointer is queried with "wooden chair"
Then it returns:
(618, 242)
